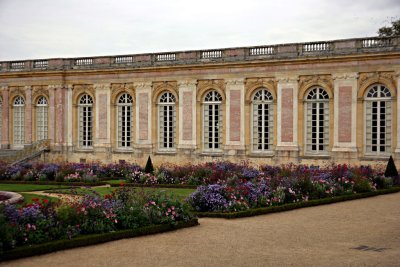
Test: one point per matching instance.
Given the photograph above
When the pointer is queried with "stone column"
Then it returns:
(287, 115)
(28, 114)
(345, 110)
(52, 111)
(60, 116)
(187, 114)
(143, 114)
(398, 115)
(5, 140)
(235, 117)
(103, 116)
(69, 121)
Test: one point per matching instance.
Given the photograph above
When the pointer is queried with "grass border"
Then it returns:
(179, 186)
(52, 183)
(292, 206)
(87, 240)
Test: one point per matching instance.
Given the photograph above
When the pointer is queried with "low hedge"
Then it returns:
(86, 240)
(158, 185)
(296, 205)
(53, 183)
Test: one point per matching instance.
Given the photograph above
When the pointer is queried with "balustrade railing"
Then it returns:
(265, 50)
(211, 54)
(316, 47)
(376, 42)
(166, 57)
(339, 47)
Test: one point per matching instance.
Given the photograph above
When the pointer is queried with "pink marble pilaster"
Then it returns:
(28, 115)
(143, 116)
(60, 101)
(51, 115)
(234, 118)
(287, 115)
(344, 124)
(102, 116)
(6, 112)
(187, 115)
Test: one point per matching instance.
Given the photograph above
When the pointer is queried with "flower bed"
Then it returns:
(42, 222)
(290, 184)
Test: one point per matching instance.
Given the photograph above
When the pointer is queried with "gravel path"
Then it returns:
(363, 232)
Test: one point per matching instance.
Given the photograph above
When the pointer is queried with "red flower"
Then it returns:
(121, 184)
(35, 199)
(45, 201)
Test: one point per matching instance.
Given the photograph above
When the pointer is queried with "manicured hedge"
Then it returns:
(53, 183)
(292, 206)
(157, 185)
(86, 240)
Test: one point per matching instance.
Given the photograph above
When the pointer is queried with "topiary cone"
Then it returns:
(149, 166)
(391, 170)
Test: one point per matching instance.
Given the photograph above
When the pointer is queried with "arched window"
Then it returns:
(317, 121)
(124, 120)
(262, 122)
(41, 118)
(166, 121)
(19, 120)
(212, 121)
(378, 120)
(85, 111)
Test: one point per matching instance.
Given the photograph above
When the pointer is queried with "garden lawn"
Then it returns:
(179, 193)
(119, 181)
(28, 198)
(28, 187)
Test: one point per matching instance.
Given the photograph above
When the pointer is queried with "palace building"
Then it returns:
(312, 103)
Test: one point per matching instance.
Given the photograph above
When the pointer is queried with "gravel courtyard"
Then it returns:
(362, 232)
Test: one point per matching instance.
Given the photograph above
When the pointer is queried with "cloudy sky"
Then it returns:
(35, 29)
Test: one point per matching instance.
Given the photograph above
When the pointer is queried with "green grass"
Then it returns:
(28, 187)
(114, 181)
(28, 198)
(179, 193)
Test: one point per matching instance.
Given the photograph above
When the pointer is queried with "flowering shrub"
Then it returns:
(126, 208)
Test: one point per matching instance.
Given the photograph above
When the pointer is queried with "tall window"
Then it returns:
(317, 121)
(85, 107)
(212, 121)
(41, 118)
(19, 120)
(124, 119)
(166, 121)
(378, 120)
(262, 121)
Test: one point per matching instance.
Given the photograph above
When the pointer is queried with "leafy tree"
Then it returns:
(391, 170)
(393, 30)
(149, 166)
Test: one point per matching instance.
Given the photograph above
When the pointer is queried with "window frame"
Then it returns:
(214, 102)
(168, 101)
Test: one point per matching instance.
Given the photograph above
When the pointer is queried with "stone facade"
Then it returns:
(345, 69)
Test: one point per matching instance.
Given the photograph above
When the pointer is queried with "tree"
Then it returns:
(391, 170)
(149, 166)
(393, 30)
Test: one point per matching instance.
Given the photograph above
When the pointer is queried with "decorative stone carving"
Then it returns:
(204, 85)
(119, 88)
(344, 76)
(368, 78)
(252, 84)
(38, 91)
(325, 81)
(15, 91)
(159, 87)
(80, 89)
(187, 83)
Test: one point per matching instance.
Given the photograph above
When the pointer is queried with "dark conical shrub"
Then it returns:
(391, 170)
(149, 166)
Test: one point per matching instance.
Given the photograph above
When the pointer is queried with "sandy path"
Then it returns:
(317, 236)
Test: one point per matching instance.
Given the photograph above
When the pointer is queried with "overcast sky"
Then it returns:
(35, 29)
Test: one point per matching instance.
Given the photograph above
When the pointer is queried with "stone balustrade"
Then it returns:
(239, 54)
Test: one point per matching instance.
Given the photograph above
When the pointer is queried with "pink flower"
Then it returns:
(169, 210)
(173, 207)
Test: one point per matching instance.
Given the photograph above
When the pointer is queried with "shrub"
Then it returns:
(149, 166)
(391, 170)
